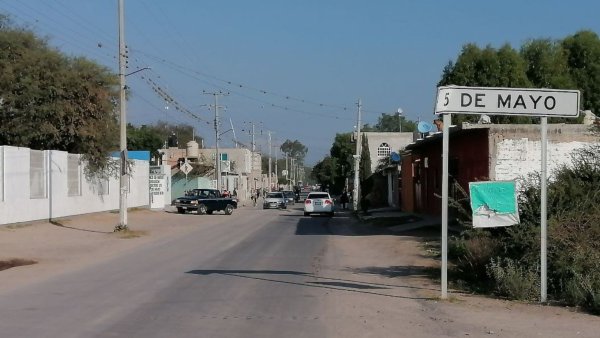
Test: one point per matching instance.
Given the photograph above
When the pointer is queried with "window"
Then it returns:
(383, 150)
(73, 175)
(37, 174)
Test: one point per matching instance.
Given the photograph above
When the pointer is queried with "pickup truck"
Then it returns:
(204, 201)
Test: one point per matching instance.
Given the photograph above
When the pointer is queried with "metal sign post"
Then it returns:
(543, 212)
(503, 101)
(445, 176)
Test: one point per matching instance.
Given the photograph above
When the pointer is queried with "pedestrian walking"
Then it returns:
(344, 199)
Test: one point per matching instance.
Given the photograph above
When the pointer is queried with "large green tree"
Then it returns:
(144, 138)
(52, 101)
(324, 172)
(583, 60)
(488, 67)
(342, 150)
(391, 123)
(571, 63)
(294, 149)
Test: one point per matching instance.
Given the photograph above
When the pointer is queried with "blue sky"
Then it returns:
(296, 68)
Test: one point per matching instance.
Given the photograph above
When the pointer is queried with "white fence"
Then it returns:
(36, 185)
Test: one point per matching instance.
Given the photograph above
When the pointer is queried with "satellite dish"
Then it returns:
(424, 127)
(395, 157)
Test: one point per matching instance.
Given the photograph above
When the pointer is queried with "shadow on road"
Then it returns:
(58, 224)
(398, 271)
(322, 282)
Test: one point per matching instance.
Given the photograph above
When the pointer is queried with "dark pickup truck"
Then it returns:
(204, 201)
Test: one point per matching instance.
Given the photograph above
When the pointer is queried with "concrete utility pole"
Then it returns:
(355, 194)
(269, 177)
(123, 125)
(217, 155)
(287, 173)
(276, 173)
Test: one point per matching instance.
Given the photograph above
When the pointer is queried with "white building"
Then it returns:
(382, 144)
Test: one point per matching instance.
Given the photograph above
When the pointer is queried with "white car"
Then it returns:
(275, 200)
(318, 203)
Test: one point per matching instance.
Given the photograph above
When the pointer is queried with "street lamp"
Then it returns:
(399, 111)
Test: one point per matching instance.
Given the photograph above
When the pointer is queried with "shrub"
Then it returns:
(514, 280)
(472, 253)
(574, 257)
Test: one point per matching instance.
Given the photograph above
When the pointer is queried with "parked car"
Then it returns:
(290, 197)
(318, 203)
(274, 200)
(204, 201)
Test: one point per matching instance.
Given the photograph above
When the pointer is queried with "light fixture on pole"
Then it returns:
(399, 112)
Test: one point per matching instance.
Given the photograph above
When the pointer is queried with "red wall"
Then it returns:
(468, 162)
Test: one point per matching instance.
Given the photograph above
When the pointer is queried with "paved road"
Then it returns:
(269, 273)
(249, 274)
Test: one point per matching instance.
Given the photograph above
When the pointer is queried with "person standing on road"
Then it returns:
(344, 199)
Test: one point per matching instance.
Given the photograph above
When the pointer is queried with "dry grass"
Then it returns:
(14, 262)
(126, 234)
(18, 226)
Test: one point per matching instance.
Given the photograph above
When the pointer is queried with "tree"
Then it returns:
(342, 151)
(294, 149)
(144, 138)
(391, 123)
(487, 67)
(324, 172)
(365, 160)
(583, 59)
(51, 101)
(184, 132)
(571, 63)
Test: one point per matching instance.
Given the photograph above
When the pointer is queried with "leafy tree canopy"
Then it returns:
(52, 101)
(294, 149)
(391, 123)
(571, 63)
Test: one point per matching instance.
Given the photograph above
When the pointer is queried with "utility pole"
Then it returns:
(217, 155)
(355, 194)
(123, 125)
(287, 173)
(269, 177)
(276, 173)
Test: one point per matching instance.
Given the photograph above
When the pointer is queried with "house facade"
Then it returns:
(240, 169)
(381, 145)
(480, 152)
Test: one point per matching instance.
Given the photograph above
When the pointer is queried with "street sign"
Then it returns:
(186, 168)
(543, 103)
(507, 101)
(284, 172)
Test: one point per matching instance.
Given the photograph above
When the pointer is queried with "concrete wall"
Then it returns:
(16, 204)
(515, 150)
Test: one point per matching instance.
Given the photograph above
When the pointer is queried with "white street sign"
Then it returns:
(186, 168)
(507, 101)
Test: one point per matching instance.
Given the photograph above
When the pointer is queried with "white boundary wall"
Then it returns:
(16, 204)
(517, 158)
